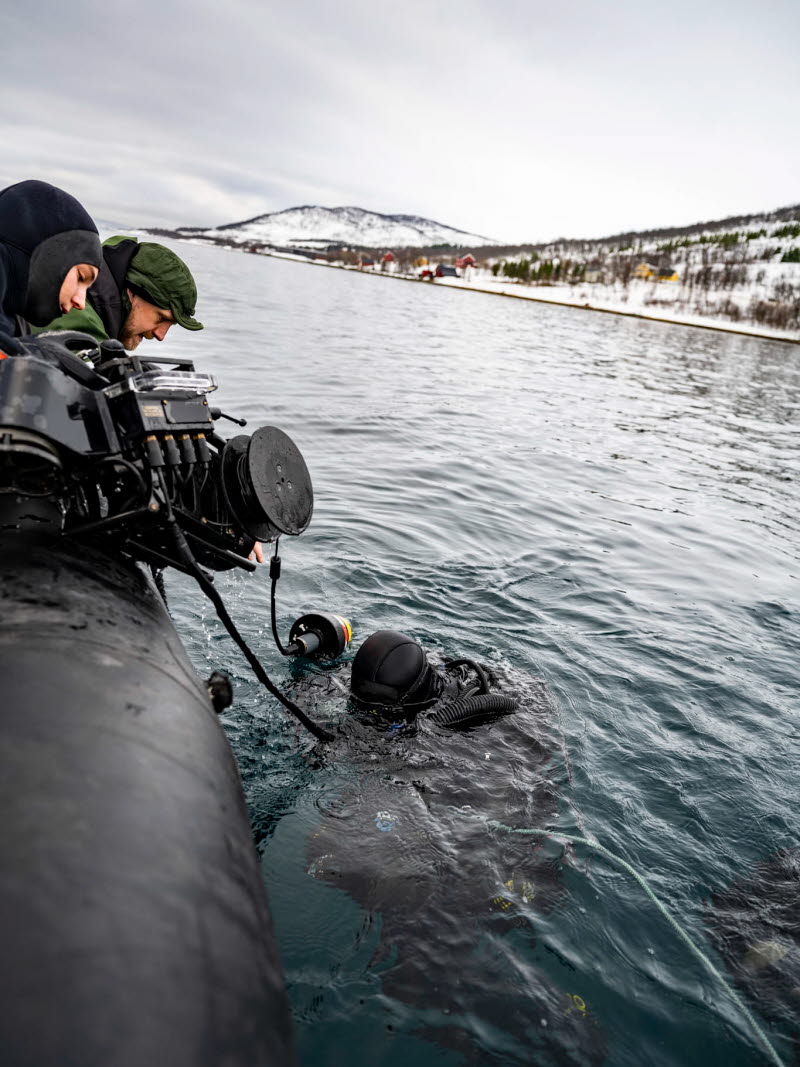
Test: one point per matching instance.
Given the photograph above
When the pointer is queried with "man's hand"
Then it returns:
(258, 553)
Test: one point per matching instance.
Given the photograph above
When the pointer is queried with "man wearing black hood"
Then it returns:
(50, 254)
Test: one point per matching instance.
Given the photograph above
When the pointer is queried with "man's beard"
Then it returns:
(130, 338)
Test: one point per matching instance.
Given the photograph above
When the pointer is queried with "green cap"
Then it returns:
(166, 281)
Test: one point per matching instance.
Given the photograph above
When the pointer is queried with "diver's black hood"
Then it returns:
(391, 669)
(44, 232)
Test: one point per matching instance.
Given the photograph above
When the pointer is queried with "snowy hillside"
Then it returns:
(744, 269)
(312, 227)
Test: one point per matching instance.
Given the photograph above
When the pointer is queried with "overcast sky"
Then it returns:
(517, 119)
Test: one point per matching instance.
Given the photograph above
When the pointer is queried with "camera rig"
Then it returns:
(109, 451)
(124, 452)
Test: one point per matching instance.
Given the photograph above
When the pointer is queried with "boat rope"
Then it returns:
(662, 908)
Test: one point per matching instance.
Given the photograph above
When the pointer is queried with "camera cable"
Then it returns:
(187, 558)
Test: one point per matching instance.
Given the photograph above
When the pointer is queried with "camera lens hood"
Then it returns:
(266, 484)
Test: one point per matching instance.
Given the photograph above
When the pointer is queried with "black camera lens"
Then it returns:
(266, 484)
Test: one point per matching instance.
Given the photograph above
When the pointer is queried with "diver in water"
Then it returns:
(459, 948)
(393, 681)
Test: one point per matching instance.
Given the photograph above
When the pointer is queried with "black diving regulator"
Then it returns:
(97, 444)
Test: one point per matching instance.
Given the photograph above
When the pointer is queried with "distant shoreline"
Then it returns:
(692, 323)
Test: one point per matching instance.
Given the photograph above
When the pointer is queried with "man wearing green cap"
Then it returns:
(140, 292)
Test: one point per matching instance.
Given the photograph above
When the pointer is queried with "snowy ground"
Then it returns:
(653, 300)
(665, 301)
(739, 279)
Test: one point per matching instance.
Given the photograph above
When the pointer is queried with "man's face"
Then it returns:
(144, 320)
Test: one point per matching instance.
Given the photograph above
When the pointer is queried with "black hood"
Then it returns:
(392, 670)
(44, 232)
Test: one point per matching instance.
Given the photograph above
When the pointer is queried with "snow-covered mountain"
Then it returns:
(312, 227)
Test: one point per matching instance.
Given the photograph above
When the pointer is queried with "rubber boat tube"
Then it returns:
(133, 920)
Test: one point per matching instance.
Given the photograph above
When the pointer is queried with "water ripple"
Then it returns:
(606, 512)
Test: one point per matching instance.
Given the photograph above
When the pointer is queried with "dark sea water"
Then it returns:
(605, 511)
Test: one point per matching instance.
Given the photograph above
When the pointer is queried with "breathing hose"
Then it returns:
(481, 673)
(662, 908)
(465, 709)
(473, 703)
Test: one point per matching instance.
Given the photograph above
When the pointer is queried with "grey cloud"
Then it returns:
(522, 120)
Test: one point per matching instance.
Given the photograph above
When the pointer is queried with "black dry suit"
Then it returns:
(44, 233)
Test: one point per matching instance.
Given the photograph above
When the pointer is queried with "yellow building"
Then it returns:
(659, 274)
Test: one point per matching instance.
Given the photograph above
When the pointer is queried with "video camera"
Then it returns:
(113, 449)
(124, 452)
